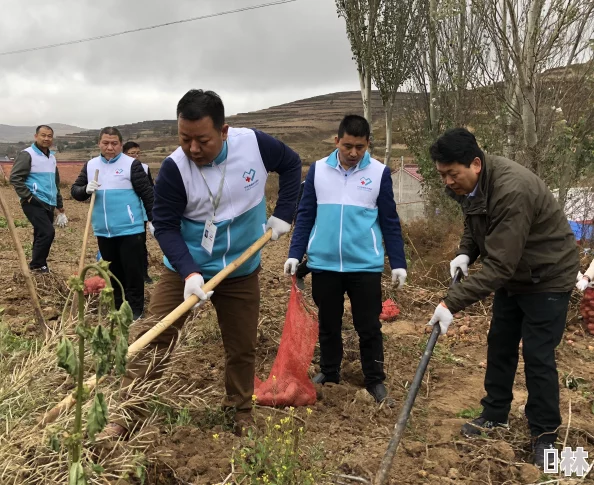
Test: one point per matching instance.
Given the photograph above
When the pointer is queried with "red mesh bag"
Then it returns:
(94, 285)
(288, 383)
(587, 310)
(389, 311)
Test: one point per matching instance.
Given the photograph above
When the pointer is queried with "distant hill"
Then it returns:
(14, 134)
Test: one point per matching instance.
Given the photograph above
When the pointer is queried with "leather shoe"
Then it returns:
(378, 391)
(322, 378)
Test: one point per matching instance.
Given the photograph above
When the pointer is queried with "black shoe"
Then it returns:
(323, 378)
(137, 315)
(378, 391)
(480, 424)
(539, 448)
(148, 280)
(42, 269)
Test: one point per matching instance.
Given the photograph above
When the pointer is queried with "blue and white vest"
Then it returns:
(42, 178)
(118, 208)
(346, 236)
(241, 215)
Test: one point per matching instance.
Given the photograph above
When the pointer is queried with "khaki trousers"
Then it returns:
(237, 304)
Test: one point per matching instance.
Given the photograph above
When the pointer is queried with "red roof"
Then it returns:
(413, 170)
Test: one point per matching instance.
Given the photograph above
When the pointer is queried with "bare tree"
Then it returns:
(395, 39)
(527, 38)
(360, 18)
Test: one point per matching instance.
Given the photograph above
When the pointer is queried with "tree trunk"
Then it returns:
(460, 74)
(389, 110)
(528, 85)
(433, 110)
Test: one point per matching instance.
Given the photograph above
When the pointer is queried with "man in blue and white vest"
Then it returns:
(210, 207)
(122, 189)
(346, 209)
(36, 180)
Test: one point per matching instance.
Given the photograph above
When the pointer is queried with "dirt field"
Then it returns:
(188, 441)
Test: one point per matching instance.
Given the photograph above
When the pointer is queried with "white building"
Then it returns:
(407, 184)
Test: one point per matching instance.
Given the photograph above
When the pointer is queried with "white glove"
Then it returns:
(459, 262)
(61, 220)
(398, 277)
(291, 266)
(443, 316)
(278, 226)
(151, 228)
(92, 186)
(579, 276)
(193, 286)
(582, 284)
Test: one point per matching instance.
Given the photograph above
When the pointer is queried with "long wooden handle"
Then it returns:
(160, 326)
(39, 320)
(81, 262)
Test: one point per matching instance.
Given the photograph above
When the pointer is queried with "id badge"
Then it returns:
(208, 237)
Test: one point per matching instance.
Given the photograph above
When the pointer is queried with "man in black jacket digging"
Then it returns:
(529, 260)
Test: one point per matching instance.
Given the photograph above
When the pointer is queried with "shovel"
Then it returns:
(386, 464)
(160, 326)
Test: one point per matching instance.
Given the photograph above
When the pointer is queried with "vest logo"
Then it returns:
(364, 184)
(249, 177)
(119, 171)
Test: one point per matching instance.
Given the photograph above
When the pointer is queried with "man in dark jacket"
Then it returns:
(529, 260)
(36, 179)
(122, 190)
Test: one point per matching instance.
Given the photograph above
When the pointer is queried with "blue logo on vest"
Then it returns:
(119, 171)
(250, 179)
(249, 176)
(364, 184)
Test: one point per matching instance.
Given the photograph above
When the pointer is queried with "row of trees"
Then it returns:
(520, 73)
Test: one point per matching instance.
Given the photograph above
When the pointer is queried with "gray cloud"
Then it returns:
(253, 59)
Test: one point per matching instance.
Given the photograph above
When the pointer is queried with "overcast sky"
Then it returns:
(253, 59)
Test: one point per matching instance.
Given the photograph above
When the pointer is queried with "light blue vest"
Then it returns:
(118, 208)
(42, 178)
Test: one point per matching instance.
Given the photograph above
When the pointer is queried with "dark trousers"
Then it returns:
(42, 220)
(365, 293)
(145, 250)
(125, 255)
(538, 320)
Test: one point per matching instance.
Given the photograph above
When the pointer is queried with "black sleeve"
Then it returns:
(59, 201)
(79, 188)
(150, 177)
(142, 186)
(19, 173)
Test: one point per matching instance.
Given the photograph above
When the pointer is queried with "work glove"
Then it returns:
(193, 286)
(398, 277)
(443, 316)
(291, 266)
(459, 262)
(92, 186)
(61, 220)
(278, 226)
(582, 284)
(579, 276)
(151, 228)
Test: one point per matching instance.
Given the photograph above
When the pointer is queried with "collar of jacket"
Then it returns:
(363, 163)
(113, 160)
(39, 152)
(221, 157)
(478, 203)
